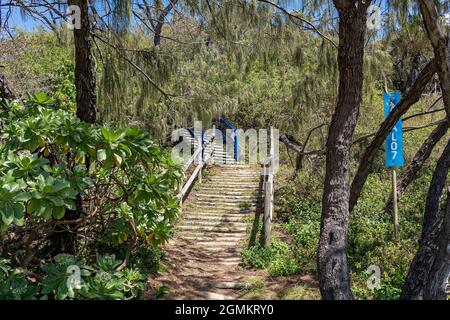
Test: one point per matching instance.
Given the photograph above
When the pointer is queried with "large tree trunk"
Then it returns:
(332, 266)
(406, 102)
(417, 163)
(64, 239)
(439, 41)
(85, 79)
(440, 271)
(430, 260)
(422, 263)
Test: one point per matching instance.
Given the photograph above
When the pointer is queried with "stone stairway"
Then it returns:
(204, 255)
(221, 154)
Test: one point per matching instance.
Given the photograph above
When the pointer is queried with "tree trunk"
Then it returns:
(64, 239)
(440, 271)
(6, 93)
(85, 78)
(419, 159)
(332, 266)
(439, 41)
(160, 22)
(422, 263)
(406, 102)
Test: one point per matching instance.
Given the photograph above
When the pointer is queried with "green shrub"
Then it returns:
(277, 258)
(120, 186)
(283, 266)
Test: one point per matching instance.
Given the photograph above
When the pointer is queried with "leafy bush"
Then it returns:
(14, 284)
(113, 185)
(70, 278)
(277, 258)
(370, 231)
(48, 157)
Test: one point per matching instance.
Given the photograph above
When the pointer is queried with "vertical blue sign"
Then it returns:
(394, 142)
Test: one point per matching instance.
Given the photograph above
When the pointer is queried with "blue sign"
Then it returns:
(394, 142)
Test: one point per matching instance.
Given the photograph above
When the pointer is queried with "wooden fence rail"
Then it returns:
(202, 160)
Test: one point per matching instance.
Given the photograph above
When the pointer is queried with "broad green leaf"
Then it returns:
(59, 212)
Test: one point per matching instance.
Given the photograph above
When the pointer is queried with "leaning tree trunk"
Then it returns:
(332, 266)
(439, 41)
(420, 268)
(85, 80)
(440, 271)
(406, 102)
(419, 159)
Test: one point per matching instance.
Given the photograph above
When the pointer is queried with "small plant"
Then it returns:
(244, 205)
(277, 258)
(161, 292)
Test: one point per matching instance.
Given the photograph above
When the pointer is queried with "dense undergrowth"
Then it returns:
(83, 207)
(297, 226)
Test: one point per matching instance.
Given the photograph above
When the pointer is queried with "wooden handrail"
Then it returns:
(198, 154)
(268, 191)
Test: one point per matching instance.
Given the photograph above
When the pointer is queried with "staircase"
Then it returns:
(204, 255)
(221, 154)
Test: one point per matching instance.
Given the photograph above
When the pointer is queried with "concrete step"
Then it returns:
(208, 241)
(231, 184)
(227, 203)
(214, 210)
(216, 219)
(227, 188)
(237, 180)
(209, 229)
(228, 196)
(217, 191)
(237, 166)
(219, 213)
(211, 234)
(212, 221)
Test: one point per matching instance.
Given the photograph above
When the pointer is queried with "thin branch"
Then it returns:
(118, 50)
(294, 16)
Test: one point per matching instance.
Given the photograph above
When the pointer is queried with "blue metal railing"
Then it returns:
(235, 130)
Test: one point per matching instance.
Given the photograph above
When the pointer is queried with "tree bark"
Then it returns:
(420, 268)
(440, 271)
(85, 78)
(417, 163)
(64, 239)
(439, 42)
(6, 92)
(160, 23)
(406, 102)
(332, 266)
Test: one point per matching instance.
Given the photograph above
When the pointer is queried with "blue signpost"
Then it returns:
(394, 142)
(394, 151)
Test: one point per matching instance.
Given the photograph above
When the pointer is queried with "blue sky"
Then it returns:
(28, 24)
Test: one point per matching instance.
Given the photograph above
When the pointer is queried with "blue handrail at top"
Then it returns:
(236, 145)
(226, 123)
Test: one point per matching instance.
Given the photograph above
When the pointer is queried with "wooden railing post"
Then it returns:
(267, 219)
(200, 156)
(268, 191)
